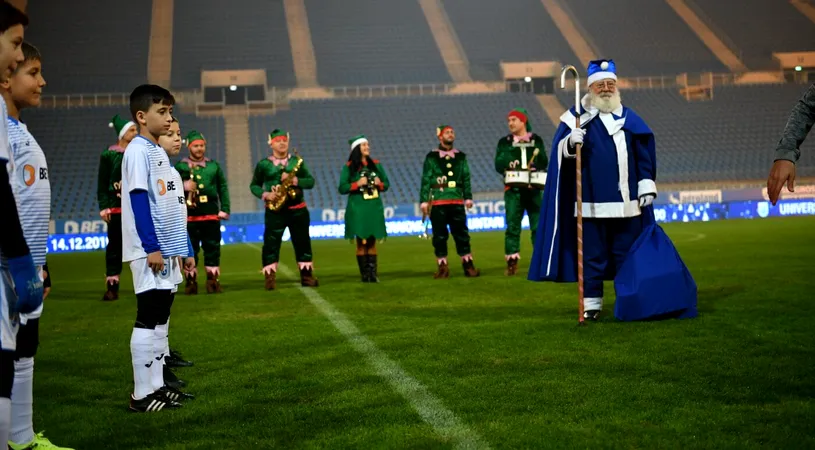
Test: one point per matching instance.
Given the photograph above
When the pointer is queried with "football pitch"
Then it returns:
(414, 362)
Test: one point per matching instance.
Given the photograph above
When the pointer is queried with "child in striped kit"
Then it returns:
(154, 239)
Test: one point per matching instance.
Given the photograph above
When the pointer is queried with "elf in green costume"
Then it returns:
(108, 193)
(519, 198)
(444, 193)
(363, 179)
(207, 204)
(279, 181)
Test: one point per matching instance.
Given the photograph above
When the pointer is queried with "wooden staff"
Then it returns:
(579, 174)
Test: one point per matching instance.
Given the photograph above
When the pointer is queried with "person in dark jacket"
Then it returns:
(788, 152)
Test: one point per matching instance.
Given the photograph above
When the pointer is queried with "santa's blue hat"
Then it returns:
(601, 69)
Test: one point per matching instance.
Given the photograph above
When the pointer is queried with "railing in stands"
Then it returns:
(278, 96)
(84, 100)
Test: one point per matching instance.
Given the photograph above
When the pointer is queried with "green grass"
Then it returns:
(504, 355)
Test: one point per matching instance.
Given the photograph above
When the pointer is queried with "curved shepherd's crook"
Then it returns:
(579, 174)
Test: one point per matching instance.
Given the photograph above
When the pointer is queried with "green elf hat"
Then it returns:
(440, 129)
(193, 137)
(522, 115)
(357, 140)
(120, 125)
(278, 134)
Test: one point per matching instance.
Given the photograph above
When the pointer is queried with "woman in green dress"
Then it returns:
(363, 179)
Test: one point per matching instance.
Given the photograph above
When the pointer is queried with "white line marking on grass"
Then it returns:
(429, 407)
(698, 237)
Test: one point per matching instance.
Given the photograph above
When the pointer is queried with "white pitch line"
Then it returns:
(429, 407)
(698, 237)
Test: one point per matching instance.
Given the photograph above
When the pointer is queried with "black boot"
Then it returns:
(363, 267)
(469, 269)
(170, 379)
(174, 359)
(371, 266)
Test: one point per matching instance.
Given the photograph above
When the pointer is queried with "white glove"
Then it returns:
(576, 137)
(646, 200)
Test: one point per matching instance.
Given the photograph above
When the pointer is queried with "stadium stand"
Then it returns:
(654, 41)
(401, 131)
(250, 35)
(508, 31)
(371, 42)
(763, 27)
(107, 49)
(727, 139)
(73, 152)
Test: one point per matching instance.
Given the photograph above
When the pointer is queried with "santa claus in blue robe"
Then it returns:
(621, 240)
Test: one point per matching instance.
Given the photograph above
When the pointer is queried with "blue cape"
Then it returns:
(554, 257)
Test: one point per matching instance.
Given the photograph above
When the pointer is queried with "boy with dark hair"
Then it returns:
(20, 283)
(154, 238)
(32, 192)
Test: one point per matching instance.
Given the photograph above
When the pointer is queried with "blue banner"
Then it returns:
(480, 207)
(246, 231)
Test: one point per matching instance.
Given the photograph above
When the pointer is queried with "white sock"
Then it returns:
(167, 348)
(157, 369)
(165, 329)
(593, 303)
(5, 419)
(22, 402)
(141, 352)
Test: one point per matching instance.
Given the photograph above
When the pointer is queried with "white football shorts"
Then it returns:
(144, 279)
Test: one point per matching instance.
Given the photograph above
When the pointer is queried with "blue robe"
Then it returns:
(607, 193)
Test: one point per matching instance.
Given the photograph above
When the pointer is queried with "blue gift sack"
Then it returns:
(653, 282)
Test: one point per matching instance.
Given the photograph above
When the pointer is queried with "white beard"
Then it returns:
(606, 105)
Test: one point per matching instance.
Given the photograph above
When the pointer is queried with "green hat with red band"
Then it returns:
(193, 137)
(277, 134)
(440, 129)
(521, 115)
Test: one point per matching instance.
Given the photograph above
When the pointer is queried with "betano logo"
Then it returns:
(29, 174)
(162, 189)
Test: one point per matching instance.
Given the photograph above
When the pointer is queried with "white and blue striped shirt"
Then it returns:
(5, 154)
(145, 166)
(28, 172)
(5, 151)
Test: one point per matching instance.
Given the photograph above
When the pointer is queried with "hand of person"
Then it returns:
(155, 261)
(27, 283)
(190, 185)
(468, 203)
(363, 181)
(783, 171)
(295, 181)
(223, 216)
(270, 196)
(105, 214)
(576, 137)
(646, 200)
(283, 176)
(377, 181)
(424, 207)
(189, 264)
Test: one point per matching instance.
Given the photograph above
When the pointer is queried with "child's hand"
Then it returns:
(155, 261)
